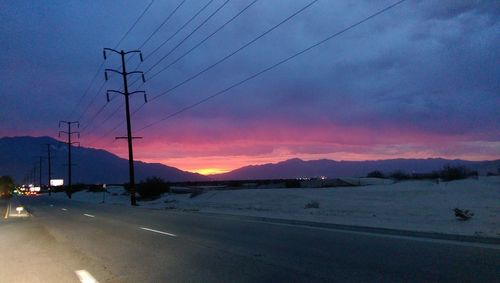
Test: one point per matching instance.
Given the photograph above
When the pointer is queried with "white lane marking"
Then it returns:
(85, 276)
(160, 232)
(89, 215)
(63, 209)
(7, 211)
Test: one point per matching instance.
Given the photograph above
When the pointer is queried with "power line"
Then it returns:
(132, 55)
(234, 52)
(178, 30)
(91, 101)
(69, 133)
(89, 122)
(274, 65)
(155, 31)
(108, 118)
(206, 38)
(126, 94)
(109, 132)
(158, 28)
(188, 36)
(162, 24)
(197, 45)
(87, 89)
(222, 59)
(99, 69)
(90, 104)
(135, 23)
(95, 116)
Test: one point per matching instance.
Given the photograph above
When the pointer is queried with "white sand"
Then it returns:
(410, 205)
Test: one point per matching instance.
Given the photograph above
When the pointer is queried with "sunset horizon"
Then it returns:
(316, 85)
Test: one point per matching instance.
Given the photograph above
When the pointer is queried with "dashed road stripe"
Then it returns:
(159, 232)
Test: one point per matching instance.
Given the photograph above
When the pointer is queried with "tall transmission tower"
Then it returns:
(126, 94)
(49, 169)
(69, 134)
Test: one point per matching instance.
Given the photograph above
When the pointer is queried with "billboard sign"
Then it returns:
(56, 182)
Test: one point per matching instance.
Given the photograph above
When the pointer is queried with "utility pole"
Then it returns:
(126, 93)
(40, 173)
(34, 175)
(69, 133)
(49, 169)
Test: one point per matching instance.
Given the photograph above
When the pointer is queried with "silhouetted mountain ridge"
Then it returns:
(19, 155)
(297, 168)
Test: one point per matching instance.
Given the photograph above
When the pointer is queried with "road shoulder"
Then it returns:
(355, 228)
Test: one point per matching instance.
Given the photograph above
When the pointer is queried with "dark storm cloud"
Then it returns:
(425, 66)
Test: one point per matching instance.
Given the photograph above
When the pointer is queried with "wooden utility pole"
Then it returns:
(126, 93)
(69, 133)
(49, 187)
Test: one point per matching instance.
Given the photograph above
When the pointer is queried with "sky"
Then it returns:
(420, 80)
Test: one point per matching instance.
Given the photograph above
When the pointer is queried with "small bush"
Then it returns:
(450, 173)
(375, 174)
(462, 214)
(152, 188)
(95, 188)
(312, 204)
(235, 184)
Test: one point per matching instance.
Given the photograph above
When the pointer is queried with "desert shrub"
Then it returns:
(152, 188)
(450, 173)
(463, 214)
(95, 188)
(78, 187)
(400, 175)
(235, 184)
(312, 204)
(292, 183)
(375, 174)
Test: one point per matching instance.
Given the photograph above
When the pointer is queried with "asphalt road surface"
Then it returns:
(69, 241)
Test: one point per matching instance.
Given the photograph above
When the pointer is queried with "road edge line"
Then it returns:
(355, 228)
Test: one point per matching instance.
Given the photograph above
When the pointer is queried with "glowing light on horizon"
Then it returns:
(209, 171)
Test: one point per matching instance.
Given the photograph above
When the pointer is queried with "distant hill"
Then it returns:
(296, 168)
(18, 156)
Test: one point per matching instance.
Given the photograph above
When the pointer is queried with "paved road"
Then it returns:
(130, 244)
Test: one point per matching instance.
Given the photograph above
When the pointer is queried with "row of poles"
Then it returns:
(31, 177)
(70, 133)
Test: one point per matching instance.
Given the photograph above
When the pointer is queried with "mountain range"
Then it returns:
(297, 168)
(19, 156)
